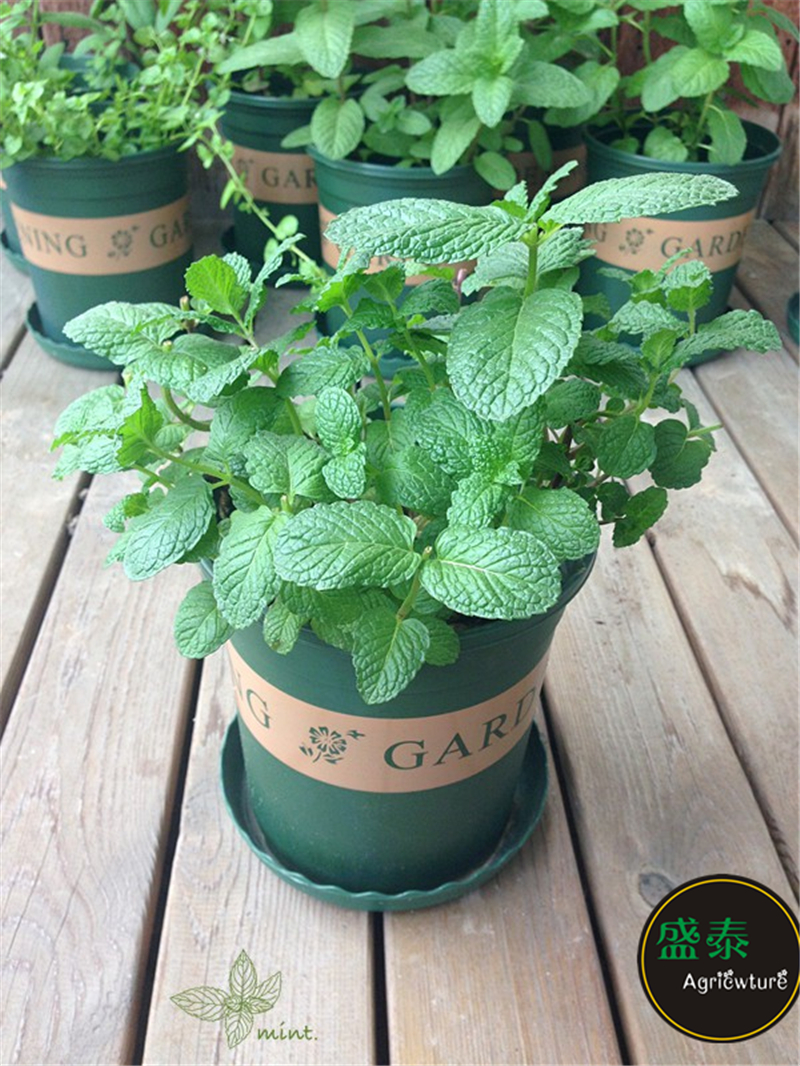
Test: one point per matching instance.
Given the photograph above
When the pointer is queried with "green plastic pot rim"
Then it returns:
(74, 354)
(529, 802)
(260, 102)
(380, 170)
(97, 165)
(593, 136)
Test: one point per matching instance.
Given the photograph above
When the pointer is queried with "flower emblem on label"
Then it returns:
(328, 744)
(634, 239)
(122, 242)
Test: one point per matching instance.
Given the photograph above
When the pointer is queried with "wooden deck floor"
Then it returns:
(669, 713)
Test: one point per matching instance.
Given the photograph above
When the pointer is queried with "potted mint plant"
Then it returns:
(674, 113)
(387, 560)
(90, 153)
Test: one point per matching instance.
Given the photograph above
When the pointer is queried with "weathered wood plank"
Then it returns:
(90, 758)
(223, 900)
(507, 974)
(787, 229)
(16, 294)
(36, 509)
(756, 399)
(767, 275)
(658, 794)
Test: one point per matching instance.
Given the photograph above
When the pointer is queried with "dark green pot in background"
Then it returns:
(717, 233)
(10, 237)
(95, 230)
(280, 180)
(394, 798)
(346, 183)
(566, 144)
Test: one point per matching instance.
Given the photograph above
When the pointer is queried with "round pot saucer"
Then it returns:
(529, 803)
(73, 354)
(16, 258)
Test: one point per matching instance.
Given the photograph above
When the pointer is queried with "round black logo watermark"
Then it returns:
(719, 958)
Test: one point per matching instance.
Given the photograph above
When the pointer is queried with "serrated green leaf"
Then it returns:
(600, 80)
(281, 627)
(776, 87)
(324, 32)
(286, 465)
(164, 534)
(95, 411)
(338, 420)
(477, 501)
(443, 73)
(641, 512)
(661, 143)
(123, 333)
(411, 478)
(688, 286)
(321, 368)
(506, 350)
(548, 85)
(345, 545)
(445, 646)
(345, 475)
(728, 137)
(336, 127)
(570, 401)
(495, 170)
(679, 461)
(217, 283)
(491, 97)
(429, 231)
(626, 446)
(97, 455)
(641, 318)
(244, 572)
(492, 573)
(204, 1002)
(387, 653)
(457, 130)
(757, 49)
(735, 329)
(138, 433)
(444, 428)
(239, 418)
(283, 49)
(698, 72)
(559, 518)
(642, 195)
(659, 89)
(199, 625)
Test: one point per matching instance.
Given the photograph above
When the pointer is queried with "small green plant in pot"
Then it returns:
(676, 113)
(388, 560)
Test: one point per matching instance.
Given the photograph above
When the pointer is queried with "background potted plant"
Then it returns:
(357, 536)
(674, 113)
(97, 186)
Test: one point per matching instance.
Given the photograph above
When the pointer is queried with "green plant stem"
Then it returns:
(532, 277)
(201, 469)
(177, 410)
(407, 605)
(419, 355)
(150, 474)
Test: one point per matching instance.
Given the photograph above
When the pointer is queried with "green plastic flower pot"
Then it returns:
(405, 796)
(346, 183)
(95, 230)
(281, 180)
(10, 237)
(715, 234)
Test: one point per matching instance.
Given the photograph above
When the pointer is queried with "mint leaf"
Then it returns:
(244, 573)
(570, 401)
(345, 475)
(243, 979)
(688, 286)
(642, 195)
(445, 428)
(281, 627)
(173, 526)
(323, 367)
(343, 545)
(728, 136)
(492, 573)
(559, 518)
(387, 653)
(641, 512)
(506, 350)
(200, 629)
(411, 478)
(495, 170)
(95, 411)
(239, 418)
(124, 332)
(286, 465)
(443, 73)
(736, 329)
(699, 72)
(757, 49)
(324, 32)
(239, 1021)
(661, 143)
(477, 501)
(491, 97)
(336, 127)
(626, 446)
(679, 461)
(216, 282)
(458, 128)
(445, 646)
(430, 231)
(338, 420)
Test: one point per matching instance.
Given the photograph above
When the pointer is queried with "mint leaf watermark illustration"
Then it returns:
(238, 1006)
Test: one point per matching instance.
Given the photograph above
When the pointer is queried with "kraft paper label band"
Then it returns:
(644, 243)
(331, 253)
(277, 177)
(119, 244)
(384, 754)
